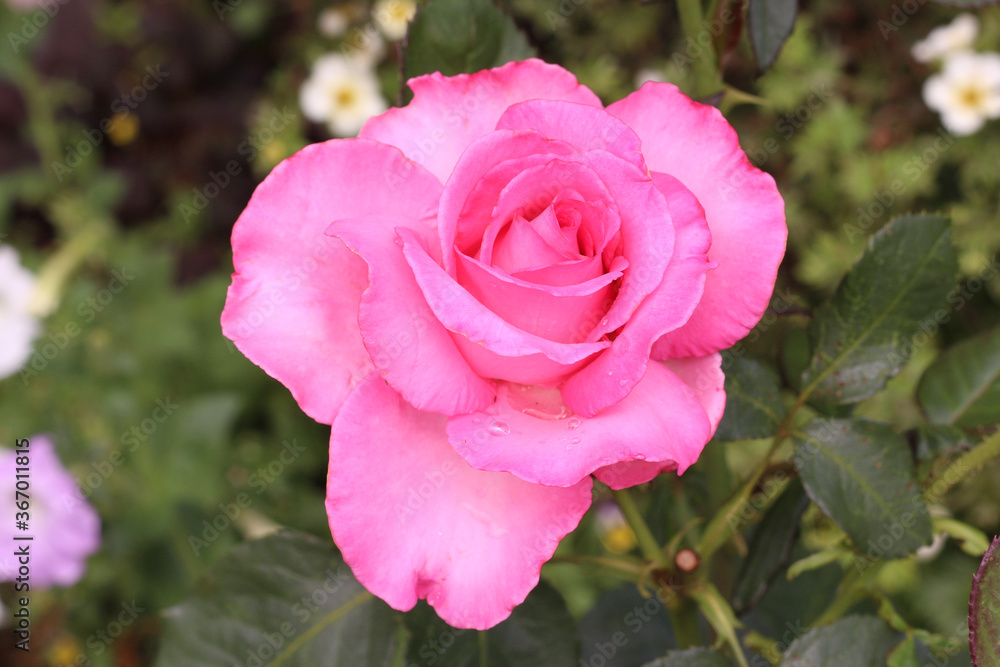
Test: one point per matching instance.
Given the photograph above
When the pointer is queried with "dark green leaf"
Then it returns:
(770, 546)
(860, 473)
(455, 36)
(285, 599)
(854, 641)
(692, 657)
(625, 629)
(753, 400)
(962, 387)
(984, 610)
(891, 297)
(771, 23)
(539, 632)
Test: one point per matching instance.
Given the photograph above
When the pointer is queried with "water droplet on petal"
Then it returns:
(569, 447)
(623, 382)
(573, 422)
(640, 457)
(498, 428)
(398, 241)
(576, 441)
(477, 420)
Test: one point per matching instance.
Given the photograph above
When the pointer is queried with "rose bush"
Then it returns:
(492, 294)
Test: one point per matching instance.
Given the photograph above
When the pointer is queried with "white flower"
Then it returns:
(967, 92)
(333, 22)
(18, 326)
(394, 16)
(947, 40)
(649, 74)
(364, 46)
(342, 94)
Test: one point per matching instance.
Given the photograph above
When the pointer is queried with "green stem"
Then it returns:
(332, 617)
(627, 568)
(647, 543)
(707, 80)
(684, 619)
(969, 462)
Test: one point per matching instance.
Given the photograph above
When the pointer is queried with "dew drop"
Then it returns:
(498, 428)
(573, 423)
(477, 420)
(398, 241)
(623, 382)
(569, 447)
(576, 441)
(640, 457)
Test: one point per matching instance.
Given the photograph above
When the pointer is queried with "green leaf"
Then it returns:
(631, 628)
(692, 657)
(455, 36)
(771, 23)
(753, 400)
(984, 610)
(962, 387)
(539, 633)
(866, 332)
(853, 641)
(860, 473)
(904, 655)
(286, 599)
(817, 560)
(770, 547)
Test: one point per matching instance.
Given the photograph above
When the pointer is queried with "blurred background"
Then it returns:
(133, 132)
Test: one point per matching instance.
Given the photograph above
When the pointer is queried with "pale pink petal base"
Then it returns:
(413, 520)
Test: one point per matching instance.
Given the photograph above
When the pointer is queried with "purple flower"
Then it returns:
(64, 527)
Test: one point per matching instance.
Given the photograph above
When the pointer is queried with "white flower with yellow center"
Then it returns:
(967, 92)
(947, 40)
(18, 326)
(394, 16)
(342, 94)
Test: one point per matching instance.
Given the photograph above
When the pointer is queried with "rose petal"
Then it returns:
(694, 143)
(292, 308)
(704, 376)
(449, 113)
(496, 158)
(415, 521)
(613, 374)
(493, 347)
(560, 314)
(586, 128)
(526, 433)
(407, 344)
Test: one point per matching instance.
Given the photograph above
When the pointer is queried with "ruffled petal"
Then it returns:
(704, 376)
(586, 128)
(530, 433)
(407, 344)
(695, 144)
(415, 521)
(448, 113)
(292, 308)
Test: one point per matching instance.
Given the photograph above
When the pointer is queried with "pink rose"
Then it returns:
(493, 294)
